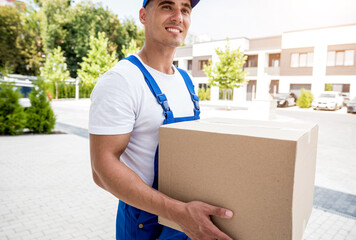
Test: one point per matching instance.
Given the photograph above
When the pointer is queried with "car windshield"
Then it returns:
(279, 95)
(327, 95)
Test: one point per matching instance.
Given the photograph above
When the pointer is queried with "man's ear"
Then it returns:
(143, 16)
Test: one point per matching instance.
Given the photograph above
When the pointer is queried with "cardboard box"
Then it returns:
(263, 171)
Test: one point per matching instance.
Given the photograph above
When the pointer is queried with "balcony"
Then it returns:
(273, 71)
(252, 71)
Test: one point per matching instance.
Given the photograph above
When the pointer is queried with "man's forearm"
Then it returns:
(125, 184)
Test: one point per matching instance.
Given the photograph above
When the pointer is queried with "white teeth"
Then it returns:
(173, 30)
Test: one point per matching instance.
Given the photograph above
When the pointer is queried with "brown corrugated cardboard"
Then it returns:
(263, 171)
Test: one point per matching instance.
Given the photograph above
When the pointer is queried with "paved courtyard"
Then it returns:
(46, 190)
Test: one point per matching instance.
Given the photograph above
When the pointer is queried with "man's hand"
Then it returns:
(195, 221)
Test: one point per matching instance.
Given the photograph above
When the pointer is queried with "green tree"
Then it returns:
(52, 19)
(33, 48)
(98, 61)
(328, 87)
(12, 115)
(11, 31)
(55, 69)
(19, 35)
(227, 73)
(132, 49)
(305, 99)
(70, 26)
(83, 20)
(40, 116)
(129, 30)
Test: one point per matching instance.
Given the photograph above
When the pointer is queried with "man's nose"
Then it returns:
(177, 16)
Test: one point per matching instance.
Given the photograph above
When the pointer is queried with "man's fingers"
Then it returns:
(219, 234)
(221, 212)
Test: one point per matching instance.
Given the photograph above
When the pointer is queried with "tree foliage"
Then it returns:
(132, 48)
(98, 61)
(305, 99)
(204, 94)
(28, 35)
(12, 115)
(55, 68)
(40, 116)
(18, 34)
(70, 26)
(228, 72)
(10, 32)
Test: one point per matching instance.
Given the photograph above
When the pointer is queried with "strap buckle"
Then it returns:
(162, 100)
(195, 100)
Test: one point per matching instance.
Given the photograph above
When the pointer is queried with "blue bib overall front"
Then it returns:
(133, 223)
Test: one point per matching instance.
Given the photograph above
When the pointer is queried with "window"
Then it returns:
(349, 58)
(251, 61)
(302, 59)
(175, 63)
(202, 64)
(295, 60)
(274, 59)
(341, 58)
(331, 59)
(190, 65)
(310, 61)
(275, 63)
(203, 85)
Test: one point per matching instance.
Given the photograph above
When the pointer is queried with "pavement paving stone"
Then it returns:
(51, 193)
(47, 192)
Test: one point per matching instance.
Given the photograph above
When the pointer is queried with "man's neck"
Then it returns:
(158, 58)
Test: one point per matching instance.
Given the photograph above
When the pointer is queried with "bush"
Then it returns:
(65, 90)
(305, 99)
(204, 94)
(40, 116)
(12, 115)
(201, 94)
(85, 89)
(207, 94)
(328, 87)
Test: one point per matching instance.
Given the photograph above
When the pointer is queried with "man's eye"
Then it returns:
(166, 7)
(185, 11)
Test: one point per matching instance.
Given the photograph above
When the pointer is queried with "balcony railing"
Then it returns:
(273, 71)
(252, 71)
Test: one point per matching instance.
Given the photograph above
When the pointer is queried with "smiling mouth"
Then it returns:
(174, 30)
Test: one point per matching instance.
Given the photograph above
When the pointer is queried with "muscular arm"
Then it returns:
(115, 177)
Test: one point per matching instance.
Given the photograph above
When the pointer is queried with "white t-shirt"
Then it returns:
(122, 102)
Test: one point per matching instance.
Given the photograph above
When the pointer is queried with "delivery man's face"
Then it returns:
(166, 21)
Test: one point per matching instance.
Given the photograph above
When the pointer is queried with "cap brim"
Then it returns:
(194, 3)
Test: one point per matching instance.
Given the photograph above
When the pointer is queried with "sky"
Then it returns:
(219, 19)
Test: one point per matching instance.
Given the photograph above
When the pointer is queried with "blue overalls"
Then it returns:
(133, 223)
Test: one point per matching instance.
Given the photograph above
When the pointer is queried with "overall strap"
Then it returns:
(194, 97)
(156, 91)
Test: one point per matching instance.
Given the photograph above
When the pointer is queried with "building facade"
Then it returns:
(309, 59)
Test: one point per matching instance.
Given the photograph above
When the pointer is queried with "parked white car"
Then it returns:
(328, 100)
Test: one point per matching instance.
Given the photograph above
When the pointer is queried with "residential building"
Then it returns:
(307, 59)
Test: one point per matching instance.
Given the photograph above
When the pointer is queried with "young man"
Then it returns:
(129, 103)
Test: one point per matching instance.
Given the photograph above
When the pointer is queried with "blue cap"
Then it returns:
(194, 2)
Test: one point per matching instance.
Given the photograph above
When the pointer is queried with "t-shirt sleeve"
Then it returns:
(112, 109)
